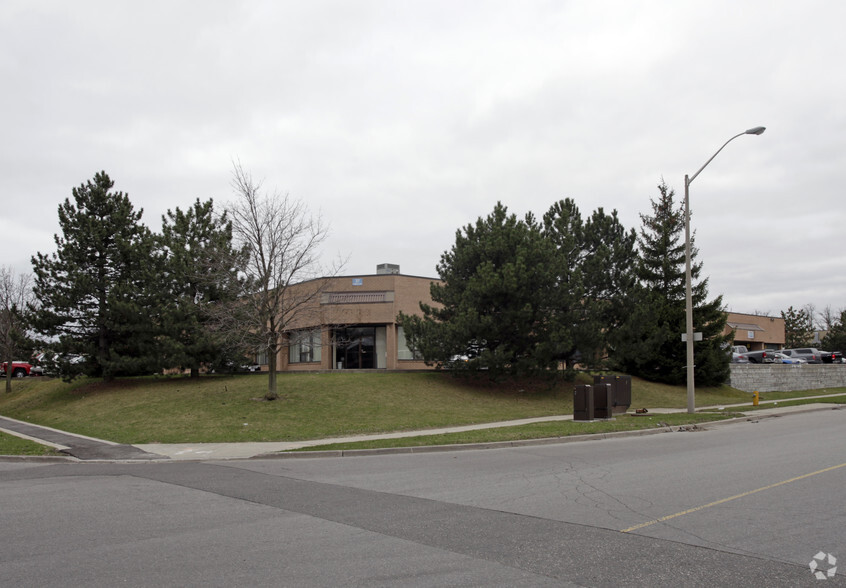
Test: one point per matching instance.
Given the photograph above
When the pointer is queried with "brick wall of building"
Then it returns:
(756, 331)
(373, 300)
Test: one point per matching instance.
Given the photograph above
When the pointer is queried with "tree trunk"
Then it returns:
(272, 394)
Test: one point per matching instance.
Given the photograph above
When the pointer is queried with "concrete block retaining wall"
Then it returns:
(770, 377)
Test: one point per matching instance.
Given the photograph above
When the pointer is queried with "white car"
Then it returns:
(782, 358)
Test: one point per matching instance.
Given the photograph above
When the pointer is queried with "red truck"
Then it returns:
(20, 369)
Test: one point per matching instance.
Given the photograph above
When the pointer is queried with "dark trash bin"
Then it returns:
(603, 401)
(583, 405)
(621, 391)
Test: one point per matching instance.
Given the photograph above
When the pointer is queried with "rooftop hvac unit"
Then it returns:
(387, 269)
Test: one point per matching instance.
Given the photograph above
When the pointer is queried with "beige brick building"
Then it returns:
(350, 322)
(756, 331)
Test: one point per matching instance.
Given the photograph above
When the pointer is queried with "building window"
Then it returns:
(404, 351)
(304, 346)
(261, 357)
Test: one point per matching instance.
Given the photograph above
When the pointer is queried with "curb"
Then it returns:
(526, 442)
(37, 459)
(753, 417)
(293, 454)
(465, 446)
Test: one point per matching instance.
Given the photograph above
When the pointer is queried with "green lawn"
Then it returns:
(11, 445)
(312, 406)
(627, 422)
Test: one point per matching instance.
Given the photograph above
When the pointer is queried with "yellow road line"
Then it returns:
(730, 498)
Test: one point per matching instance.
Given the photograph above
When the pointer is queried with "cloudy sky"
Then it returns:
(401, 121)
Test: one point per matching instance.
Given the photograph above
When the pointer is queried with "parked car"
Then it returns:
(831, 356)
(762, 356)
(738, 354)
(782, 358)
(51, 363)
(809, 354)
(20, 369)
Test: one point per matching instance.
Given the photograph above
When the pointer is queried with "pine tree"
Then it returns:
(494, 306)
(798, 327)
(94, 290)
(564, 229)
(835, 339)
(649, 343)
(523, 297)
(594, 268)
(201, 269)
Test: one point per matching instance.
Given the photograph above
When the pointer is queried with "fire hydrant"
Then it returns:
(755, 399)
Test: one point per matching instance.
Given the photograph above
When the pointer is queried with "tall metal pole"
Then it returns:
(688, 300)
(688, 288)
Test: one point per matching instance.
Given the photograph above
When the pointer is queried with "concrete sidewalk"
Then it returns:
(78, 446)
(223, 451)
(245, 450)
(87, 448)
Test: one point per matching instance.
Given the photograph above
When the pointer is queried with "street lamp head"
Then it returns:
(756, 131)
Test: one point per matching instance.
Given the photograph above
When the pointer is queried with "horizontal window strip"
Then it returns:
(357, 297)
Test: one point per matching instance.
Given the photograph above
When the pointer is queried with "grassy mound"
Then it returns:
(311, 406)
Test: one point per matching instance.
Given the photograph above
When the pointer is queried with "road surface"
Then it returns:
(749, 504)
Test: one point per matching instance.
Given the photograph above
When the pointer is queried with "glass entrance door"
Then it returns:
(355, 348)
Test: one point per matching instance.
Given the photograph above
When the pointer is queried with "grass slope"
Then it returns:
(11, 445)
(230, 409)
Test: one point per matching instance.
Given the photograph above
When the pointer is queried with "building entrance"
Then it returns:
(355, 348)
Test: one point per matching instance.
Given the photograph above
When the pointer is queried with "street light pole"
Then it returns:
(688, 288)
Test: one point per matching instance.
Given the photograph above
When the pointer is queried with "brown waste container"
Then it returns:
(621, 391)
(603, 401)
(583, 405)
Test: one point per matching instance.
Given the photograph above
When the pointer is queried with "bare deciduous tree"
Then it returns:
(15, 295)
(282, 240)
(828, 318)
(811, 310)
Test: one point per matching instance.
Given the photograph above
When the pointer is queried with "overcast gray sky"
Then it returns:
(401, 121)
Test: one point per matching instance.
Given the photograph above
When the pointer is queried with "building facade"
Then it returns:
(756, 331)
(350, 322)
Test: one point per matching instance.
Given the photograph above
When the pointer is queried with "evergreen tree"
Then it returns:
(594, 268)
(93, 291)
(563, 228)
(609, 271)
(494, 306)
(835, 339)
(201, 269)
(649, 343)
(798, 327)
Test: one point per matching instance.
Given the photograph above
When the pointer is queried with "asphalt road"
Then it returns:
(746, 504)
